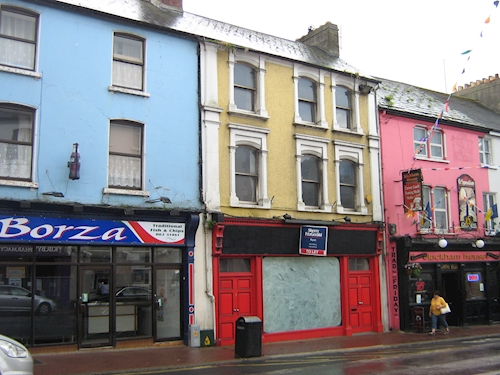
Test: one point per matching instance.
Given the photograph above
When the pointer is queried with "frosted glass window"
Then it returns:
(301, 293)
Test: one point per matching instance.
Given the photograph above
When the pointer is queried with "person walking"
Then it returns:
(437, 303)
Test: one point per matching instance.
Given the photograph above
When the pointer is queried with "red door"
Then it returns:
(235, 300)
(361, 317)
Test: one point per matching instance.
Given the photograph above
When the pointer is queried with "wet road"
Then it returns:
(463, 357)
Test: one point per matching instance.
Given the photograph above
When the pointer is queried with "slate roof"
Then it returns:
(408, 100)
(143, 11)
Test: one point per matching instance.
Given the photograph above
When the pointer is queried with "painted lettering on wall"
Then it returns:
(455, 256)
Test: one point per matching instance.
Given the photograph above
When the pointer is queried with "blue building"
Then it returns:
(99, 172)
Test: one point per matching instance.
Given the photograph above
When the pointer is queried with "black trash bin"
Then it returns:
(248, 337)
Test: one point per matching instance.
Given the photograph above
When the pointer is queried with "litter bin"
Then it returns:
(248, 342)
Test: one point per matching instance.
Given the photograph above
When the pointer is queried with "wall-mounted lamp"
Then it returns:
(479, 244)
(161, 199)
(287, 217)
(56, 194)
(347, 219)
(442, 243)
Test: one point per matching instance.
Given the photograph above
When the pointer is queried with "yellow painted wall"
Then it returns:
(281, 144)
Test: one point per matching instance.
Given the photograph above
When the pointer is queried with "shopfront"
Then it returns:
(91, 282)
(466, 277)
(302, 279)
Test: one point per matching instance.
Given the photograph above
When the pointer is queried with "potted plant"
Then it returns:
(413, 269)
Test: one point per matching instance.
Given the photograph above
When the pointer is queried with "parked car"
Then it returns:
(133, 294)
(17, 299)
(14, 358)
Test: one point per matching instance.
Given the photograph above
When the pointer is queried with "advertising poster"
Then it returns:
(412, 190)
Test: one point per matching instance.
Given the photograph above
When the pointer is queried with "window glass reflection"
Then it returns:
(168, 255)
(95, 254)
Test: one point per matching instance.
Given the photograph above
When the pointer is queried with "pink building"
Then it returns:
(438, 206)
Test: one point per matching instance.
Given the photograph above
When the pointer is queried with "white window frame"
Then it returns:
(317, 76)
(350, 84)
(483, 154)
(490, 226)
(314, 146)
(432, 202)
(124, 89)
(258, 62)
(18, 69)
(429, 145)
(353, 152)
(256, 137)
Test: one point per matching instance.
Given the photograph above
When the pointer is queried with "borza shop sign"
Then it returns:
(32, 229)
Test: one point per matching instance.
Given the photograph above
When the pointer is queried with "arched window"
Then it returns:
(307, 99)
(245, 87)
(311, 180)
(347, 171)
(16, 142)
(247, 177)
(344, 107)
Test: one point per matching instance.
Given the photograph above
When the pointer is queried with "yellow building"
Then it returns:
(291, 185)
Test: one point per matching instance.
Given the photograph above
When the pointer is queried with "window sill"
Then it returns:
(323, 209)
(357, 131)
(322, 126)
(432, 159)
(129, 91)
(26, 184)
(263, 204)
(135, 193)
(23, 72)
(347, 211)
(249, 114)
(486, 166)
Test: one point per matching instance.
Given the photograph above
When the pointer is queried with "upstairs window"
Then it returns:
(16, 142)
(484, 151)
(348, 171)
(311, 180)
(344, 107)
(307, 100)
(245, 87)
(430, 146)
(491, 213)
(128, 62)
(247, 177)
(125, 155)
(18, 38)
(435, 210)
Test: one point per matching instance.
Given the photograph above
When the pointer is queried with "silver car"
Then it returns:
(17, 299)
(15, 359)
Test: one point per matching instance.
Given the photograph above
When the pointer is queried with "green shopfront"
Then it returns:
(96, 282)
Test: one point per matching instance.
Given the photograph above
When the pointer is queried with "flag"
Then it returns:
(494, 209)
(488, 214)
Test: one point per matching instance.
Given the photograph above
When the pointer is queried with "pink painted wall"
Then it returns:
(461, 156)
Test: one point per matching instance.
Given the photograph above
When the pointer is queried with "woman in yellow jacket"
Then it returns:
(437, 303)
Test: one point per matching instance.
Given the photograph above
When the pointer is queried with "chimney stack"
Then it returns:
(173, 4)
(325, 37)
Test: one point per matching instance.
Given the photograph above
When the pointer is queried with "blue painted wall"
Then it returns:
(74, 105)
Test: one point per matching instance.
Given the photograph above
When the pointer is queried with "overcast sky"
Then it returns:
(415, 42)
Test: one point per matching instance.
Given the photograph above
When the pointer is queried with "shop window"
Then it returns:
(301, 293)
(474, 285)
(168, 255)
(235, 265)
(95, 254)
(133, 254)
(359, 264)
(421, 288)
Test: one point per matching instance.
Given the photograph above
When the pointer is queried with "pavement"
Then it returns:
(176, 355)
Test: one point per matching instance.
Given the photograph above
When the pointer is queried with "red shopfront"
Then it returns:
(258, 271)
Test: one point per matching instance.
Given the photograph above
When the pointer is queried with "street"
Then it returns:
(463, 357)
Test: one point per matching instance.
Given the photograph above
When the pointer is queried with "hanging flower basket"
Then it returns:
(413, 269)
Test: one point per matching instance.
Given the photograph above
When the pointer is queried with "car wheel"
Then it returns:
(44, 308)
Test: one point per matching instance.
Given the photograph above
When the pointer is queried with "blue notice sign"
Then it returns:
(313, 240)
